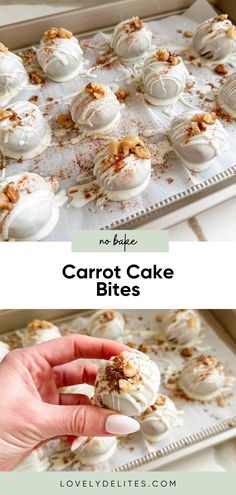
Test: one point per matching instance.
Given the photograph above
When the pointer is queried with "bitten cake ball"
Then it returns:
(94, 450)
(215, 39)
(13, 76)
(159, 419)
(164, 78)
(197, 139)
(59, 55)
(203, 378)
(131, 39)
(123, 168)
(96, 109)
(39, 331)
(226, 97)
(107, 324)
(128, 383)
(181, 327)
(28, 209)
(4, 349)
(24, 132)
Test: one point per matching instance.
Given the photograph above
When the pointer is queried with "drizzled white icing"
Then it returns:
(13, 76)
(198, 150)
(181, 327)
(163, 82)
(94, 450)
(94, 115)
(107, 324)
(211, 41)
(27, 135)
(131, 46)
(227, 96)
(129, 181)
(4, 349)
(145, 386)
(202, 381)
(156, 424)
(60, 58)
(36, 212)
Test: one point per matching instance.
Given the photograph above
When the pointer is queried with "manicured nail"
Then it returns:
(76, 443)
(117, 424)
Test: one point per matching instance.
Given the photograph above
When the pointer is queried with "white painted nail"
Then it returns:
(76, 443)
(117, 424)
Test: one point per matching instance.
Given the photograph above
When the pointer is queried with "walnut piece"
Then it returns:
(130, 370)
(221, 69)
(205, 118)
(128, 145)
(12, 192)
(121, 94)
(96, 90)
(231, 32)
(192, 322)
(65, 120)
(188, 34)
(161, 400)
(164, 56)
(221, 17)
(3, 48)
(39, 325)
(187, 352)
(125, 386)
(136, 24)
(5, 204)
(5, 113)
(57, 33)
(36, 77)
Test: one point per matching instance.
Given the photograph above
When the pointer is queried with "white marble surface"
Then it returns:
(216, 224)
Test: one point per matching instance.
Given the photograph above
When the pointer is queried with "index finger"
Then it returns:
(71, 347)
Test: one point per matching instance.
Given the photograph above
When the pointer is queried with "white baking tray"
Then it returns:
(177, 445)
(178, 207)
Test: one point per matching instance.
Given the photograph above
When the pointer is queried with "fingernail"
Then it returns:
(76, 443)
(121, 425)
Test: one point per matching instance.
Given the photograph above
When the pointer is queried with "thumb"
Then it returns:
(85, 420)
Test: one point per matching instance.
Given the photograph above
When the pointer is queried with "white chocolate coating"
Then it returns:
(60, 58)
(4, 349)
(106, 324)
(160, 420)
(227, 96)
(197, 151)
(130, 181)
(210, 40)
(36, 213)
(163, 83)
(13, 76)
(203, 378)
(94, 450)
(27, 135)
(181, 327)
(93, 115)
(45, 332)
(137, 393)
(131, 45)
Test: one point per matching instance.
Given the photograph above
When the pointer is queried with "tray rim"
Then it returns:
(177, 203)
(193, 443)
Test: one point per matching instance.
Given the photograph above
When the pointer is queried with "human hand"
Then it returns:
(32, 411)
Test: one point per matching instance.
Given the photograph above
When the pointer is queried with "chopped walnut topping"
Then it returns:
(136, 24)
(125, 386)
(221, 17)
(65, 120)
(34, 99)
(12, 192)
(160, 400)
(208, 360)
(96, 90)
(39, 325)
(130, 370)
(221, 69)
(5, 113)
(231, 32)
(187, 352)
(189, 85)
(188, 34)
(36, 77)
(3, 48)
(164, 56)
(121, 94)
(200, 121)
(5, 204)
(107, 316)
(57, 33)
(143, 348)
(127, 146)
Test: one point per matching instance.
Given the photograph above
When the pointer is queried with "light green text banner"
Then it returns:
(120, 240)
(117, 483)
